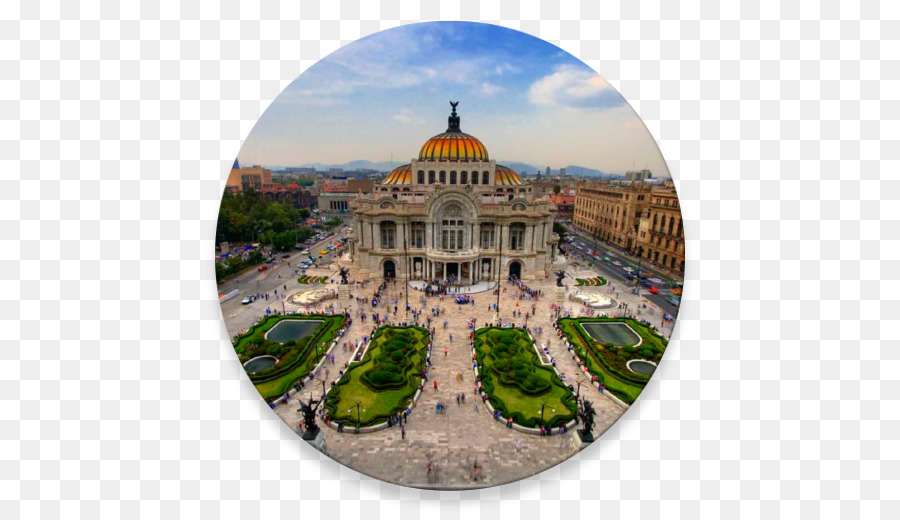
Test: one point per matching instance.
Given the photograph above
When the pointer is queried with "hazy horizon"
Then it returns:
(525, 99)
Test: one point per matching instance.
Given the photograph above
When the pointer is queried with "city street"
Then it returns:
(616, 274)
(238, 317)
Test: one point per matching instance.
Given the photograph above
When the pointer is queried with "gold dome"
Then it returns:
(506, 177)
(453, 146)
(399, 175)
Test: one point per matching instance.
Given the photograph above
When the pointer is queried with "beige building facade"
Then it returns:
(452, 214)
(661, 236)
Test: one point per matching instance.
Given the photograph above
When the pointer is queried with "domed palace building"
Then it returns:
(453, 214)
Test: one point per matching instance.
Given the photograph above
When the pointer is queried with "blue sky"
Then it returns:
(525, 99)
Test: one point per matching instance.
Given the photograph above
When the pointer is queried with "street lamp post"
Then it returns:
(578, 392)
(406, 259)
(542, 411)
(499, 268)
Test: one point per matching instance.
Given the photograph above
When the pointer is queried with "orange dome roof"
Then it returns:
(507, 177)
(453, 146)
(399, 175)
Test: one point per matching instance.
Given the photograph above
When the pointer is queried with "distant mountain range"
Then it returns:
(385, 166)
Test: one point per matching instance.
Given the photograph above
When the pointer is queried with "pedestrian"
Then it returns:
(402, 431)
(445, 351)
(435, 384)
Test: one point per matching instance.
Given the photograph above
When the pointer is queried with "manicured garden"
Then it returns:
(608, 359)
(384, 382)
(309, 280)
(516, 381)
(591, 282)
(296, 357)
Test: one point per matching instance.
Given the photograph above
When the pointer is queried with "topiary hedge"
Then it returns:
(385, 379)
(295, 358)
(517, 382)
(608, 362)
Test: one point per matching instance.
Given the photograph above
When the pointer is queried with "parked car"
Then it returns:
(674, 301)
(262, 268)
(323, 252)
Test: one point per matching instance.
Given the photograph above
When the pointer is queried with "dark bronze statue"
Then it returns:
(586, 414)
(308, 409)
(344, 273)
(559, 278)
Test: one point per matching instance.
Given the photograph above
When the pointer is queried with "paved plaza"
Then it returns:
(458, 438)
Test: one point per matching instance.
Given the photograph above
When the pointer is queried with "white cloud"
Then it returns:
(575, 87)
(407, 117)
(489, 89)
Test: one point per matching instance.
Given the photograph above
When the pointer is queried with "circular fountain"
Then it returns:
(260, 363)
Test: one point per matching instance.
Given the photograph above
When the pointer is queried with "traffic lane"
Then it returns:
(607, 250)
(618, 275)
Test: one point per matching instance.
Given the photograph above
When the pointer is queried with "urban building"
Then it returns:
(661, 234)
(640, 217)
(255, 177)
(611, 211)
(565, 206)
(638, 175)
(335, 197)
(453, 213)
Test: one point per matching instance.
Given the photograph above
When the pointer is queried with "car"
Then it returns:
(262, 268)
(652, 290)
(628, 269)
(617, 263)
(674, 301)
(304, 252)
(247, 300)
(323, 252)
(606, 259)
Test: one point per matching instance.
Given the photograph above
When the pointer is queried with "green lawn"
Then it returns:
(295, 358)
(516, 381)
(384, 381)
(607, 360)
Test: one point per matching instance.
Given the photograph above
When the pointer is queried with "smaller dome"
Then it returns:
(399, 175)
(507, 177)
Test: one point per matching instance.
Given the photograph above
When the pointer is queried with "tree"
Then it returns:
(284, 241)
(303, 234)
(556, 188)
(303, 213)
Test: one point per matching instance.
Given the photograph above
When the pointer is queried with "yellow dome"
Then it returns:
(507, 177)
(453, 146)
(399, 175)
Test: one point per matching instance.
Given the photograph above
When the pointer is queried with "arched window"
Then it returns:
(443, 178)
(484, 178)
(474, 177)
(464, 178)
(431, 177)
(421, 177)
(452, 177)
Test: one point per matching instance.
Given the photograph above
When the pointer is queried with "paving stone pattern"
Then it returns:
(461, 436)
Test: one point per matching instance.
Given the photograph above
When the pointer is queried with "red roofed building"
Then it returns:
(565, 205)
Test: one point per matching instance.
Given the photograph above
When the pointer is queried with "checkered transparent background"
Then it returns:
(120, 396)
